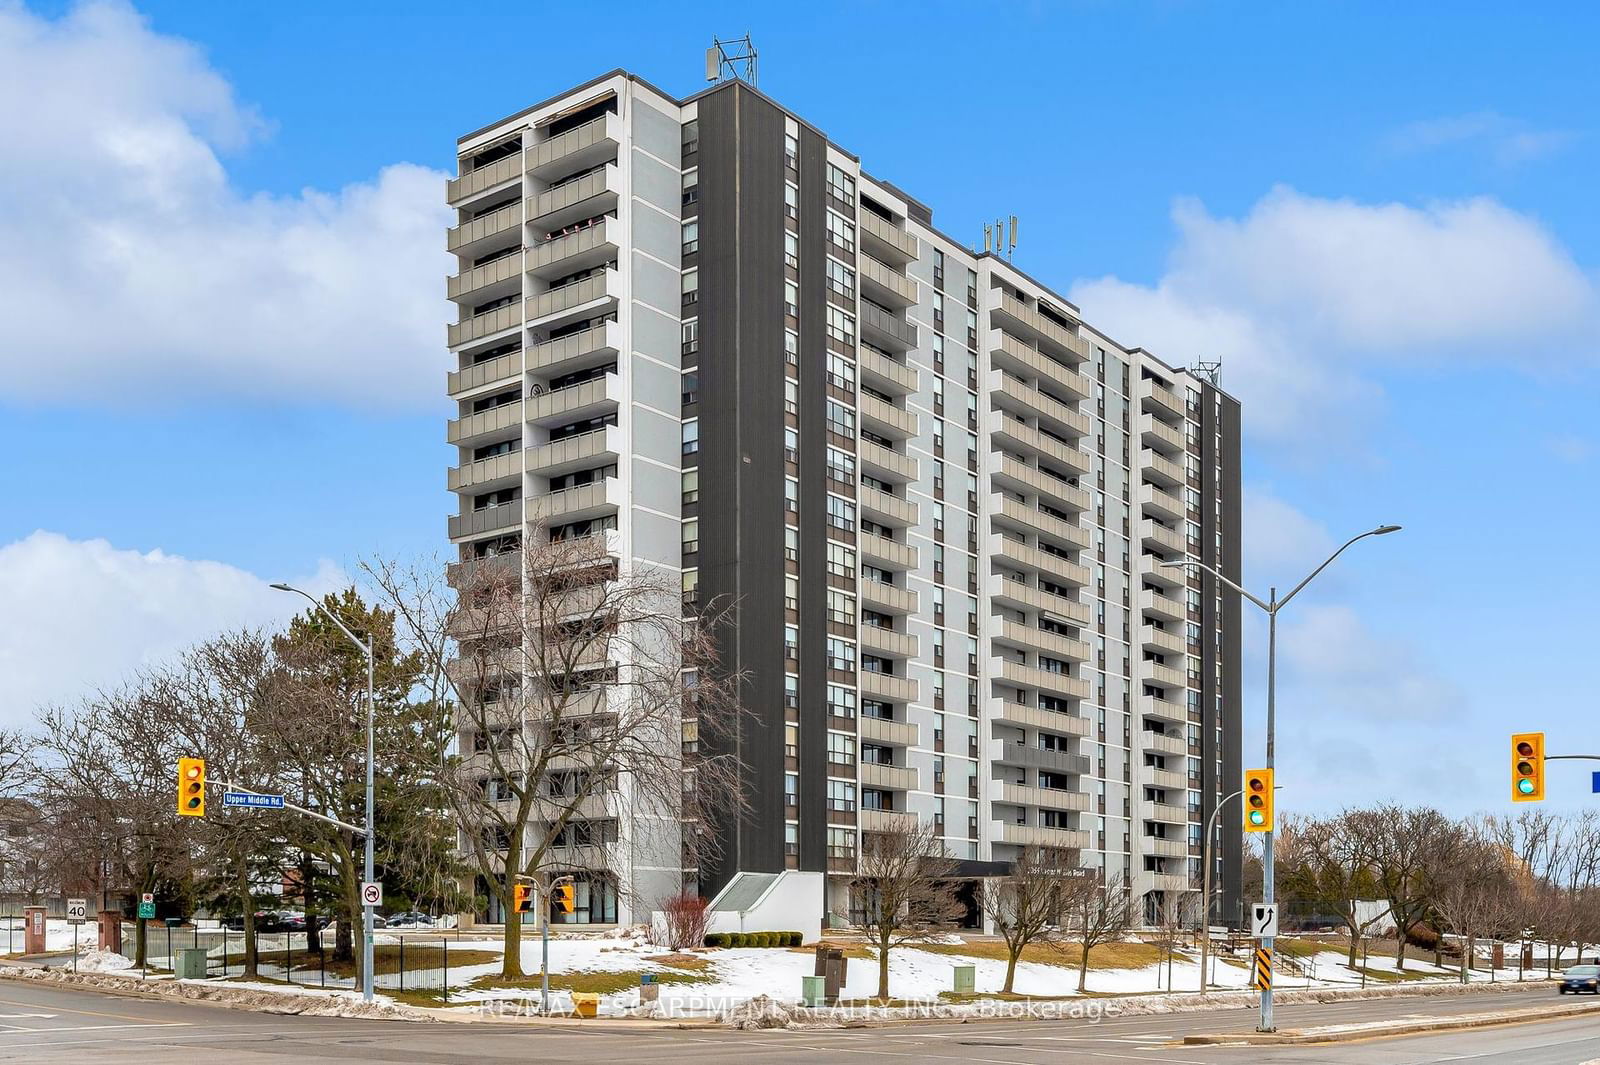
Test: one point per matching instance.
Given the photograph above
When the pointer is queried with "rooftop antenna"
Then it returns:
(988, 237)
(1011, 252)
(731, 60)
(1211, 371)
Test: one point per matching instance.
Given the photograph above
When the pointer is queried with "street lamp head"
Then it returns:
(1383, 529)
(280, 587)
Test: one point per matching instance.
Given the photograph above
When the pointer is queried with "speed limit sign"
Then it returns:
(372, 893)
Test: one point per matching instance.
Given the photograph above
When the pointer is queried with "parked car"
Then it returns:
(409, 919)
(295, 921)
(1580, 978)
(266, 921)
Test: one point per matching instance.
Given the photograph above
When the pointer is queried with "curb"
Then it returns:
(1345, 1033)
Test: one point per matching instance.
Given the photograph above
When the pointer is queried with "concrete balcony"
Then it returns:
(1039, 836)
(887, 330)
(479, 428)
(1024, 479)
(1063, 533)
(888, 733)
(1165, 607)
(1059, 685)
(1161, 538)
(1165, 848)
(886, 375)
(886, 509)
(885, 820)
(886, 465)
(483, 572)
(583, 350)
(1161, 503)
(1162, 641)
(580, 249)
(1011, 393)
(888, 777)
(886, 553)
(1013, 435)
(477, 236)
(1164, 743)
(1023, 318)
(1170, 579)
(579, 148)
(887, 642)
(1176, 882)
(499, 320)
(1159, 436)
(1032, 756)
(1019, 596)
(1156, 467)
(886, 419)
(1045, 798)
(886, 241)
(599, 447)
(1163, 675)
(1028, 362)
(1165, 778)
(1158, 397)
(1019, 555)
(498, 471)
(483, 179)
(1009, 713)
(886, 286)
(1167, 710)
(1150, 810)
(1028, 638)
(889, 689)
(494, 371)
(486, 520)
(587, 399)
(574, 504)
(572, 296)
(500, 277)
(886, 598)
(574, 200)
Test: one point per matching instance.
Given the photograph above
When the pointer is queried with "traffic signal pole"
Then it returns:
(1268, 892)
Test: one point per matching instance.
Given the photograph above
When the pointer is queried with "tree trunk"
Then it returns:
(140, 941)
(1400, 948)
(883, 968)
(1012, 954)
(1466, 957)
(1355, 942)
(1083, 968)
(511, 940)
(313, 933)
(246, 900)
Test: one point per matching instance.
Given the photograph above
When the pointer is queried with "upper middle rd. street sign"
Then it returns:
(252, 800)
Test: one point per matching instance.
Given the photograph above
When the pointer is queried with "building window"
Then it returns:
(841, 750)
(691, 486)
(841, 186)
(841, 561)
(841, 701)
(841, 654)
(841, 419)
(691, 536)
(841, 607)
(691, 336)
(791, 251)
(691, 237)
(841, 232)
(691, 436)
(841, 326)
(841, 844)
(841, 279)
(841, 513)
(791, 151)
(791, 199)
(791, 299)
(691, 287)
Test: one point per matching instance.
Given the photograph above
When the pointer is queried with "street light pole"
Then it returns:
(366, 909)
(1272, 604)
(1205, 889)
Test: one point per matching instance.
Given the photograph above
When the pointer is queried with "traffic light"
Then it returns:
(1527, 767)
(522, 898)
(561, 895)
(191, 787)
(1258, 800)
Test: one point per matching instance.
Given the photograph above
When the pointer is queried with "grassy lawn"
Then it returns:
(386, 959)
(1299, 948)
(687, 962)
(1103, 956)
(854, 951)
(604, 983)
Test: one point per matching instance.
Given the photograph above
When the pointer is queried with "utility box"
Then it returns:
(111, 931)
(965, 979)
(649, 989)
(832, 966)
(190, 964)
(812, 992)
(585, 1004)
(33, 928)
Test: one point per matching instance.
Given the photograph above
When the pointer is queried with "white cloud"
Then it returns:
(1280, 540)
(1301, 297)
(83, 614)
(1570, 447)
(130, 266)
(1508, 140)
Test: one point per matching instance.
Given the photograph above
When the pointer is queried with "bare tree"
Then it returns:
(1028, 905)
(1177, 916)
(1331, 865)
(1405, 857)
(685, 920)
(1470, 894)
(904, 889)
(1101, 912)
(576, 693)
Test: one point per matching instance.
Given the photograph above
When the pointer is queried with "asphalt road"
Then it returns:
(49, 1025)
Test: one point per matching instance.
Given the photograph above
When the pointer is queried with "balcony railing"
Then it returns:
(1053, 644)
(887, 598)
(886, 464)
(892, 288)
(576, 351)
(889, 331)
(1010, 713)
(573, 294)
(484, 472)
(889, 733)
(557, 205)
(1045, 798)
(1040, 836)
(564, 405)
(887, 553)
(485, 177)
(891, 777)
(1019, 357)
(1039, 522)
(582, 145)
(588, 246)
(484, 423)
(1008, 390)
(886, 419)
(485, 324)
(887, 241)
(887, 509)
(467, 284)
(886, 375)
(575, 452)
(484, 226)
(489, 519)
(888, 642)
(492, 371)
(890, 689)
(1159, 435)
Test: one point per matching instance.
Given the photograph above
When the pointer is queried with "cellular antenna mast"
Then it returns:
(735, 60)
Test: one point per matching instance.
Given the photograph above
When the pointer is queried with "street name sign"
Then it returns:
(252, 801)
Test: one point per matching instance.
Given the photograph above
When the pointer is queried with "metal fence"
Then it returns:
(413, 961)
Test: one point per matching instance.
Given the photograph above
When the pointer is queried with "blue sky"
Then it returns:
(1380, 222)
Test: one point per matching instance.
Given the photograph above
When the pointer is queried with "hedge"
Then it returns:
(754, 939)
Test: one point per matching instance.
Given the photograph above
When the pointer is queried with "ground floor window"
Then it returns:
(594, 901)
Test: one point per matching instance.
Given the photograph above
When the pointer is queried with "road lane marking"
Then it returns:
(69, 1009)
(17, 1030)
